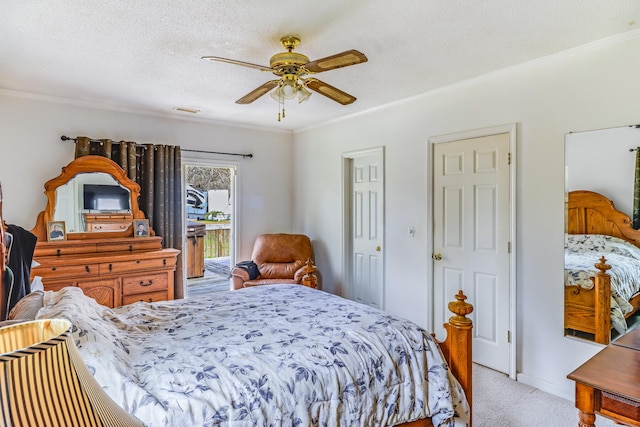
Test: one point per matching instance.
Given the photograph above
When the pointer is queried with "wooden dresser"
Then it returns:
(113, 271)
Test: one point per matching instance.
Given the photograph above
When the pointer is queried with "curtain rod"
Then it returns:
(244, 156)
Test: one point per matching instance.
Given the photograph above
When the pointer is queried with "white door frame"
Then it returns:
(511, 129)
(203, 160)
(346, 221)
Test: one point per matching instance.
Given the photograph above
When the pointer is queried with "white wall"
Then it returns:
(588, 89)
(32, 153)
(607, 151)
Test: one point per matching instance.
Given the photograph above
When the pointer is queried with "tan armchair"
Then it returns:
(281, 258)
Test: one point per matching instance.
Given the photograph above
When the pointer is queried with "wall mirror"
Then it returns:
(93, 197)
(600, 175)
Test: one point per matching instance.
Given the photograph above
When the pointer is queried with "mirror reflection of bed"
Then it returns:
(600, 175)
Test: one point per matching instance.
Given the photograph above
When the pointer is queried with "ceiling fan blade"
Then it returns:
(330, 91)
(258, 92)
(339, 60)
(233, 61)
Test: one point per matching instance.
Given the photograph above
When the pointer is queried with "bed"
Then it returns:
(599, 299)
(282, 355)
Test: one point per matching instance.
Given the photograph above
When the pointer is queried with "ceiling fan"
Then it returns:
(293, 69)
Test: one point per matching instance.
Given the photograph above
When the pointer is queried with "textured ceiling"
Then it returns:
(145, 54)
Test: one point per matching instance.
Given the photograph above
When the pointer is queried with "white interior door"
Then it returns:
(472, 238)
(366, 227)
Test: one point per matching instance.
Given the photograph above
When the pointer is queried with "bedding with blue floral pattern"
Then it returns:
(582, 251)
(275, 355)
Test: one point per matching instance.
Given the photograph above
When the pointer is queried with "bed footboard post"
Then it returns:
(602, 289)
(458, 344)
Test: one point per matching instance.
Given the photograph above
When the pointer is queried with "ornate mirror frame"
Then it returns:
(88, 164)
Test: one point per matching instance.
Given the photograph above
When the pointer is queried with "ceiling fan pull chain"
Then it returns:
(279, 109)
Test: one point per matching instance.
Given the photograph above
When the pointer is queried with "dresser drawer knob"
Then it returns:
(149, 283)
(86, 267)
(110, 267)
(130, 248)
(58, 252)
(164, 261)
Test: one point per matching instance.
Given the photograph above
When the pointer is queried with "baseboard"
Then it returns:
(564, 392)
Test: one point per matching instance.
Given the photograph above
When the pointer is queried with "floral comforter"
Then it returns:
(279, 355)
(582, 251)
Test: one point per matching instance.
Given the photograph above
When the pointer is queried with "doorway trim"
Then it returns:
(203, 160)
(347, 267)
(510, 129)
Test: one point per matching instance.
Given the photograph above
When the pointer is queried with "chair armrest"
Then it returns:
(238, 277)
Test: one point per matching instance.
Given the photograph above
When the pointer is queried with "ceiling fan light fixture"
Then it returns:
(288, 91)
(303, 94)
(277, 95)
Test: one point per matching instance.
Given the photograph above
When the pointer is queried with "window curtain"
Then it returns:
(636, 192)
(158, 171)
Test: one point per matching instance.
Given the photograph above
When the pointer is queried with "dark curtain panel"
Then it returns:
(636, 192)
(158, 171)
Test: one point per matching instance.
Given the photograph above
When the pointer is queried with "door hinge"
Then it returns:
(508, 158)
(509, 336)
(508, 247)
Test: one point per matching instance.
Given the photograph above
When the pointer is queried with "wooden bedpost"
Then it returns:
(602, 289)
(457, 347)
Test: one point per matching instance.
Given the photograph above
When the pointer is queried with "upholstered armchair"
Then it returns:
(280, 258)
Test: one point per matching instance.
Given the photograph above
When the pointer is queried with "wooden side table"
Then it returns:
(629, 340)
(608, 384)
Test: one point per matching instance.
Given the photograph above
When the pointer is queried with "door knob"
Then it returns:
(378, 248)
(436, 257)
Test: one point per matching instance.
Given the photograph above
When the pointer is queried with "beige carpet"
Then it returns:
(498, 401)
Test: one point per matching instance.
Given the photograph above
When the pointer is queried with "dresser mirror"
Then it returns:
(599, 184)
(94, 198)
(90, 196)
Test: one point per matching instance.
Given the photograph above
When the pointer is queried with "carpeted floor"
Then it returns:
(498, 401)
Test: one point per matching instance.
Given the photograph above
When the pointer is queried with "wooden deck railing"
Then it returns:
(216, 243)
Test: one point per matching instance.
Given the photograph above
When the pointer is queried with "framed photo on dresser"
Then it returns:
(56, 230)
(141, 228)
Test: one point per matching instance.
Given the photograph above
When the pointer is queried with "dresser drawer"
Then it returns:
(145, 283)
(148, 297)
(108, 226)
(137, 244)
(613, 404)
(45, 250)
(135, 265)
(60, 271)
